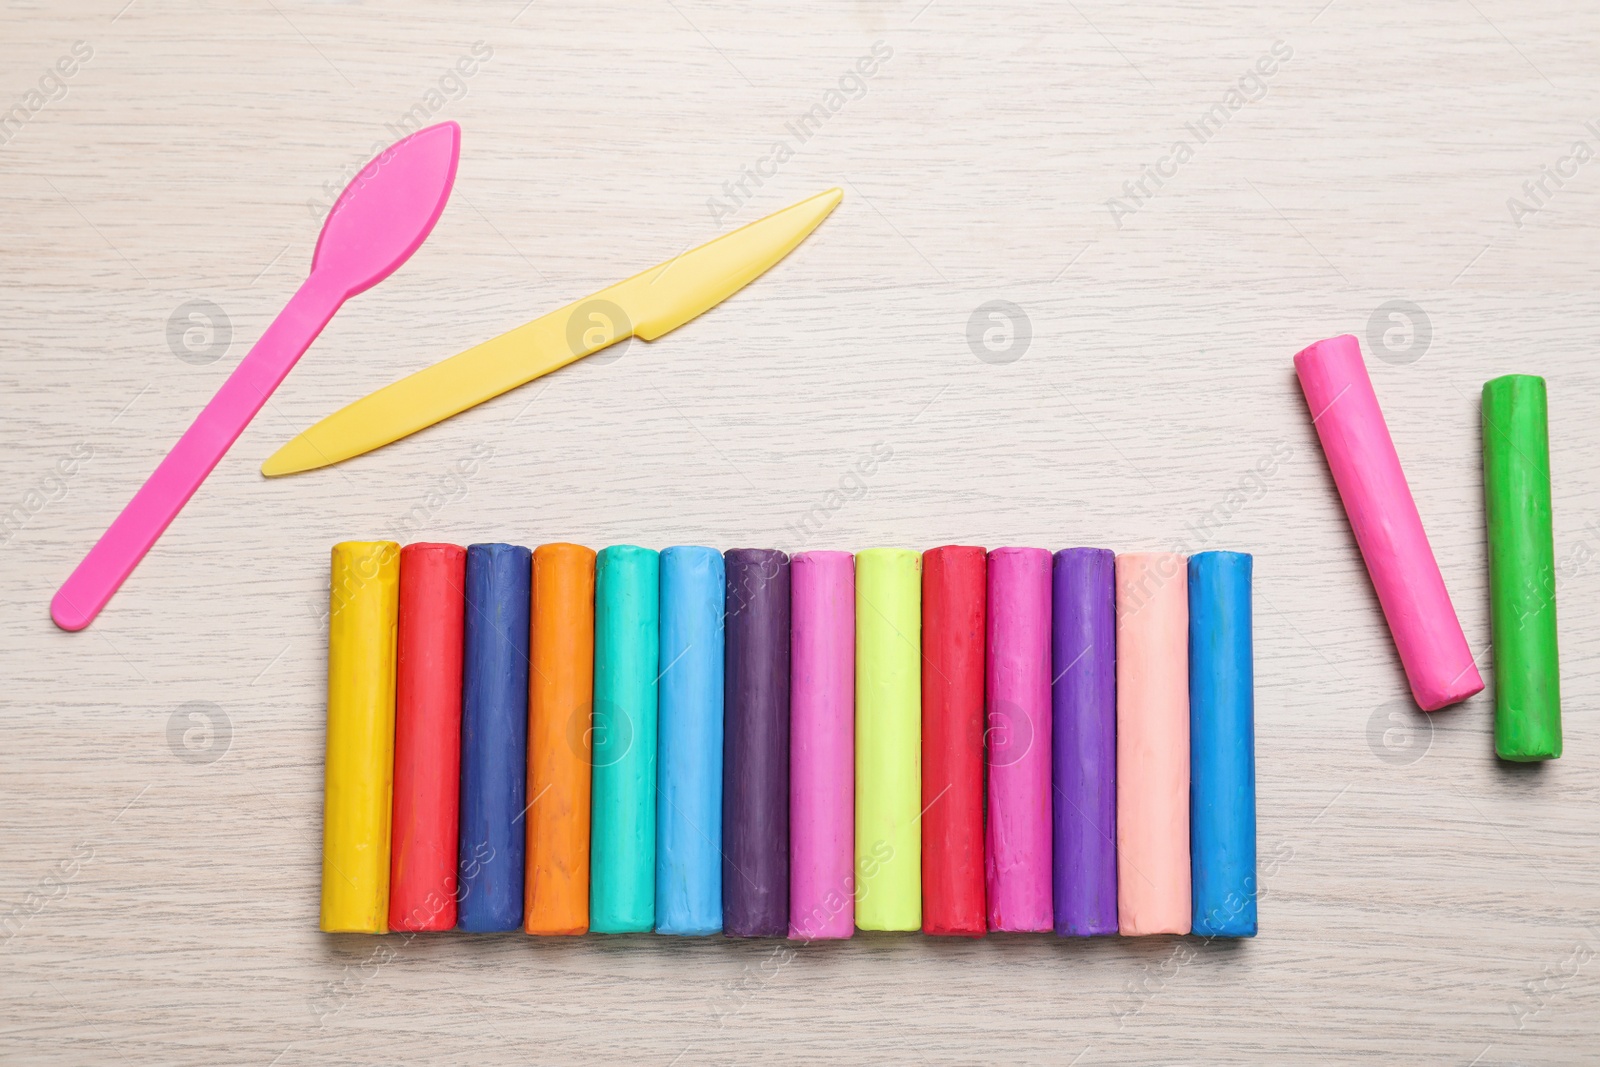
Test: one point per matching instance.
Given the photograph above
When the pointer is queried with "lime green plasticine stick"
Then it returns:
(888, 739)
(1522, 572)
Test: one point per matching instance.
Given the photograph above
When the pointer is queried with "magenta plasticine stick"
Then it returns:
(1017, 846)
(1384, 517)
(822, 704)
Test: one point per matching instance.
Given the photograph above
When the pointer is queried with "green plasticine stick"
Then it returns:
(1522, 575)
(888, 739)
(627, 647)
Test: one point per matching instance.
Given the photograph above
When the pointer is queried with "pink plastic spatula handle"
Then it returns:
(383, 216)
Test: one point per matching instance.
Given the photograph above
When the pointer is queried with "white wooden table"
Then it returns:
(1422, 903)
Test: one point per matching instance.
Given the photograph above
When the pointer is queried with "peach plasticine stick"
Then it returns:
(1152, 744)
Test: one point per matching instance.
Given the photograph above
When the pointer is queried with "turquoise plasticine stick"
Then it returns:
(622, 864)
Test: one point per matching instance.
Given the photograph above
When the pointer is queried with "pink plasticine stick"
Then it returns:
(382, 217)
(1017, 837)
(1152, 744)
(822, 673)
(1388, 529)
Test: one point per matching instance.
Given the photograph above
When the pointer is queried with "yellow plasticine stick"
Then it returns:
(647, 305)
(888, 739)
(363, 612)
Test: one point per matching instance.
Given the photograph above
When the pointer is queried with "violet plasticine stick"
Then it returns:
(755, 792)
(1084, 736)
(1384, 518)
(822, 701)
(1017, 750)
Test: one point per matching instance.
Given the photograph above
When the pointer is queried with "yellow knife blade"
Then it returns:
(646, 306)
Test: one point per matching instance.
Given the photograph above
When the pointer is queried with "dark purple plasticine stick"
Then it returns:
(755, 764)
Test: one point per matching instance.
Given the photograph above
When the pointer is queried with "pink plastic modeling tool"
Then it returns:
(383, 216)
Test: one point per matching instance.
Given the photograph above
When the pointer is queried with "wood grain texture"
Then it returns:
(1422, 903)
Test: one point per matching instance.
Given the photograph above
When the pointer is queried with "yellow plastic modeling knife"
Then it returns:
(646, 306)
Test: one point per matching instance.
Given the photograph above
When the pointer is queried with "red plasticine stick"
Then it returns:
(953, 593)
(427, 738)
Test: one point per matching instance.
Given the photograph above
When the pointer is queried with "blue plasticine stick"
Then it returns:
(1222, 780)
(689, 774)
(622, 822)
(494, 738)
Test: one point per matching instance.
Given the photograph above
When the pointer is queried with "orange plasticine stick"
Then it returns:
(560, 692)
